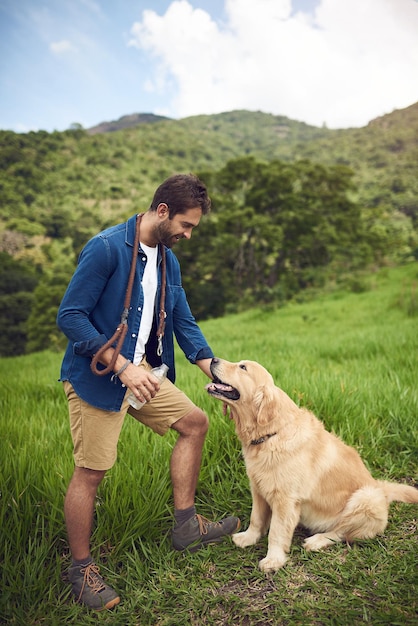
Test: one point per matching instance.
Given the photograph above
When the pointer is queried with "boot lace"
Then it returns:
(91, 579)
(204, 524)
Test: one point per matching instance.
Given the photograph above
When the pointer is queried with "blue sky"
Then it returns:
(319, 61)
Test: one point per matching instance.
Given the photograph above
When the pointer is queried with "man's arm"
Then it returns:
(204, 365)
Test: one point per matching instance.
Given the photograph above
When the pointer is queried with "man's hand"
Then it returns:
(204, 365)
(143, 384)
(140, 381)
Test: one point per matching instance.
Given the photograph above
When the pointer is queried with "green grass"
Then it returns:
(351, 358)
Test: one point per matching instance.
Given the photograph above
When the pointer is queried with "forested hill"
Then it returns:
(293, 206)
(114, 171)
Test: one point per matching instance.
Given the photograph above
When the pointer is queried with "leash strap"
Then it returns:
(163, 313)
(120, 332)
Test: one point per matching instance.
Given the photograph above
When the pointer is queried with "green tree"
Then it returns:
(42, 331)
(273, 229)
(17, 282)
(14, 310)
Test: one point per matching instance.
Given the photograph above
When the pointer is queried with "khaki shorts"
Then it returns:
(95, 432)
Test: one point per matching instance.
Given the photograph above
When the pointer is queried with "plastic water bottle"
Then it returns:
(159, 372)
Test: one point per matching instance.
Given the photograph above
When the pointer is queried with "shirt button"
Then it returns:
(139, 308)
(133, 335)
(144, 258)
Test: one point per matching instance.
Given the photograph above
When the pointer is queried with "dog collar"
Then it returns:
(255, 442)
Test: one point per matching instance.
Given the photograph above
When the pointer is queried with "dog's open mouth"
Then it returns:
(222, 390)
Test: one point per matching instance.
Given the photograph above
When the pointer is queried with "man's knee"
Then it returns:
(88, 477)
(194, 423)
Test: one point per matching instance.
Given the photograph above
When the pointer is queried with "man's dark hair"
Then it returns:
(180, 193)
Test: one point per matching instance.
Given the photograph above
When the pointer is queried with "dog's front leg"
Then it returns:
(259, 522)
(284, 519)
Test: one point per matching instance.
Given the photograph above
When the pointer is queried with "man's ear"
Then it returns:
(264, 404)
(163, 210)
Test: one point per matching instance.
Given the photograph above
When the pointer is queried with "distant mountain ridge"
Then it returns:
(137, 119)
(126, 121)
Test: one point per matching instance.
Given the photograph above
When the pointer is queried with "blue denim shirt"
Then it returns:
(92, 306)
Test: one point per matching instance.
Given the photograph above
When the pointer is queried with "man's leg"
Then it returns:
(95, 435)
(171, 408)
(187, 457)
(192, 530)
(88, 586)
(79, 510)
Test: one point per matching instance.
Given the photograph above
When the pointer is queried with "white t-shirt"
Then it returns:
(149, 287)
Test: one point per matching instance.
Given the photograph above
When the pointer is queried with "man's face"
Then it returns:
(171, 231)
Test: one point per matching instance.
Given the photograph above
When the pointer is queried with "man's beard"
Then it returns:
(165, 235)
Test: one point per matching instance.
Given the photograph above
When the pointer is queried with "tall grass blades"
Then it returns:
(407, 298)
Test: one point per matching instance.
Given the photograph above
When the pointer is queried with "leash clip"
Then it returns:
(160, 333)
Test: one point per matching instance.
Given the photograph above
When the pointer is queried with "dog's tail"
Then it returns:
(396, 492)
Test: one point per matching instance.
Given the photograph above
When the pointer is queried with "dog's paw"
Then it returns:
(272, 564)
(320, 541)
(245, 539)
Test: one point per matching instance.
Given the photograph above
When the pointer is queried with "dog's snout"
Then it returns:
(213, 364)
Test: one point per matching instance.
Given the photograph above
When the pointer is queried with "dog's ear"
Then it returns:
(264, 404)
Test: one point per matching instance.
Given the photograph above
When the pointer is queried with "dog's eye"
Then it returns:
(243, 367)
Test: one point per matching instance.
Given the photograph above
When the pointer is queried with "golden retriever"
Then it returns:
(298, 471)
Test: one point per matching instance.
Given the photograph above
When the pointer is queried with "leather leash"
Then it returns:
(163, 313)
(120, 332)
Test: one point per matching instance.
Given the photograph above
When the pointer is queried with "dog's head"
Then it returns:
(246, 387)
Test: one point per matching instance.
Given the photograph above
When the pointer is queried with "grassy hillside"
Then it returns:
(352, 358)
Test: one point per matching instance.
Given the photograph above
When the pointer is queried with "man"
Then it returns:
(88, 315)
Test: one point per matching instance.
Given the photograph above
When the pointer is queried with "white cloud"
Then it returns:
(343, 65)
(61, 47)
(22, 128)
